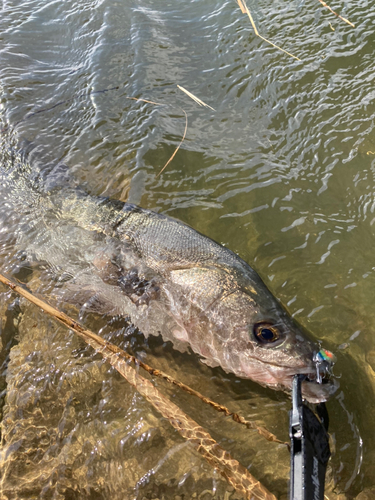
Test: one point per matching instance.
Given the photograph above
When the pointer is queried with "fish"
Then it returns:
(204, 294)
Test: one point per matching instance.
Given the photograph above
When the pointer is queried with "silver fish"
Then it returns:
(219, 305)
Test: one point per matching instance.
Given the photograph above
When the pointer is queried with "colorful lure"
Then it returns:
(323, 357)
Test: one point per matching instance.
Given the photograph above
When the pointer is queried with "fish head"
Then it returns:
(234, 321)
(275, 349)
(266, 345)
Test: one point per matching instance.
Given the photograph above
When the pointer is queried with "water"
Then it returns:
(281, 172)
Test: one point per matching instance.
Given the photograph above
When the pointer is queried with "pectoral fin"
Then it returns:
(139, 290)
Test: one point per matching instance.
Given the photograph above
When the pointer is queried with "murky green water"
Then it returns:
(282, 172)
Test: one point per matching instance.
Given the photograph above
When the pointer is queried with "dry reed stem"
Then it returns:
(178, 147)
(338, 15)
(244, 6)
(243, 10)
(235, 473)
(195, 98)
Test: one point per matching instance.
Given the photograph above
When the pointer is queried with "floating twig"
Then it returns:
(338, 15)
(195, 98)
(178, 147)
(244, 9)
(235, 473)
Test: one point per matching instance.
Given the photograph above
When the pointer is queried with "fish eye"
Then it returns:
(266, 332)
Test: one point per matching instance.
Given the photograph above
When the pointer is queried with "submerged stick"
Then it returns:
(338, 15)
(235, 473)
(245, 8)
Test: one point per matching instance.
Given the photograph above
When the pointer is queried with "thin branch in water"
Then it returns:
(198, 101)
(152, 371)
(218, 407)
(235, 473)
(186, 123)
(338, 15)
(159, 373)
(178, 147)
(145, 100)
(244, 6)
(195, 98)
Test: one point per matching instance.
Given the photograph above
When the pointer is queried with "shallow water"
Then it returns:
(282, 172)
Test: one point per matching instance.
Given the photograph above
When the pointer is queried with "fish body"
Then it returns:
(219, 304)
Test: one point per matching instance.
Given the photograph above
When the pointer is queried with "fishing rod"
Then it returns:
(309, 447)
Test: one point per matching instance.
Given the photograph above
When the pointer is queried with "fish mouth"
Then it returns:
(319, 392)
(315, 388)
(318, 385)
